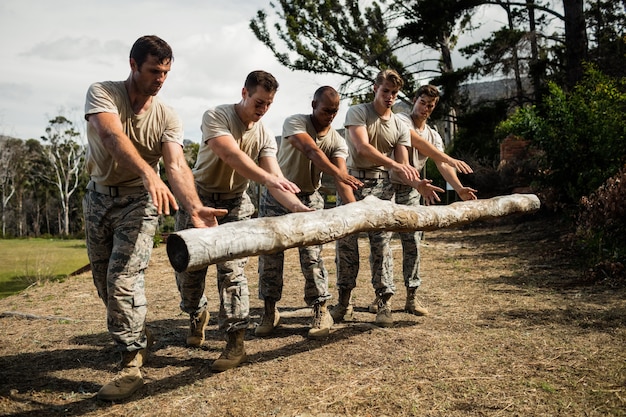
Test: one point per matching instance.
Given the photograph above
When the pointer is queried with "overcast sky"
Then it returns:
(54, 49)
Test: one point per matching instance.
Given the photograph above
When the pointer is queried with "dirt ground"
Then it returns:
(513, 331)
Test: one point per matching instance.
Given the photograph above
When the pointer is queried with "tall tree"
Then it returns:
(335, 37)
(37, 195)
(67, 157)
(438, 25)
(10, 165)
(575, 41)
(606, 21)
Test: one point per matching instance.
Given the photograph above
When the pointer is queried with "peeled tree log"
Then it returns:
(192, 249)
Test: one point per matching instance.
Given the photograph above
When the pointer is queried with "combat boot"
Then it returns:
(126, 382)
(384, 317)
(142, 354)
(373, 308)
(270, 320)
(234, 353)
(197, 326)
(412, 304)
(322, 321)
(343, 310)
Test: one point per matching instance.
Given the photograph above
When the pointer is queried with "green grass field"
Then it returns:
(26, 261)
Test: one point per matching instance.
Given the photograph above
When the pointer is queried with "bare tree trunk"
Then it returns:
(519, 93)
(193, 249)
(36, 221)
(534, 52)
(47, 218)
(575, 40)
(21, 229)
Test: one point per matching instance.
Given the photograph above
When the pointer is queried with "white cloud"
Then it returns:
(54, 50)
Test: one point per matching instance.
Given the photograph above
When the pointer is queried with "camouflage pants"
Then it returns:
(409, 196)
(232, 284)
(311, 263)
(120, 235)
(381, 260)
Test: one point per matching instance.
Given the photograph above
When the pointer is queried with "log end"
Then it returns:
(177, 252)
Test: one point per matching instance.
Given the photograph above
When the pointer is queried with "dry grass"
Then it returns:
(512, 332)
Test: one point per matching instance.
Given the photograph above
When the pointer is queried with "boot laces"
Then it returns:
(195, 321)
(317, 318)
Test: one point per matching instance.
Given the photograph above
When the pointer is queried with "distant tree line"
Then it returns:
(42, 181)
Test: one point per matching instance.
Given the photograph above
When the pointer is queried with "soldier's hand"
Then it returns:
(467, 193)
(161, 195)
(429, 191)
(282, 184)
(350, 181)
(207, 216)
(460, 166)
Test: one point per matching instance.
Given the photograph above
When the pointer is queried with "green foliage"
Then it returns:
(582, 139)
(167, 224)
(524, 122)
(340, 37)
(191, 152)
(497, 53)
(432, 173)
(581, 134)
(606, 21)
(157, 239)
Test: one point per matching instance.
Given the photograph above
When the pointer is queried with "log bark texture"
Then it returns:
(192, 249)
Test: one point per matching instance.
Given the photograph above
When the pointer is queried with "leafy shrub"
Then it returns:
(581, 135)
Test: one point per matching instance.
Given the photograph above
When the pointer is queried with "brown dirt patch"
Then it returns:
(512, 331)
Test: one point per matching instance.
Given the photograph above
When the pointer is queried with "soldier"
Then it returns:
(426, 142)
(128, 131)
(309, 147)
(236, 148)
(378, 144)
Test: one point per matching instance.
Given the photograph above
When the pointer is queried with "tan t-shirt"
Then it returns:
(159, 123)
(428, 133)
(384, 135)
(214, 175)
(295, 165)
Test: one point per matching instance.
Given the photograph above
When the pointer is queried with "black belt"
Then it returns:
(115, 191)
(222, 196)
(369, 174)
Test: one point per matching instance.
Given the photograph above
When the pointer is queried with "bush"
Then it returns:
(581, 135)
(601, 227)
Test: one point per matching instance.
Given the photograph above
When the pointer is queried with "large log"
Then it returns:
(192, 249)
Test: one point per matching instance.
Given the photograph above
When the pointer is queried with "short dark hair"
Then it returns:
(260, 78)
(320, 92)
(428, 90)
(151, 45)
